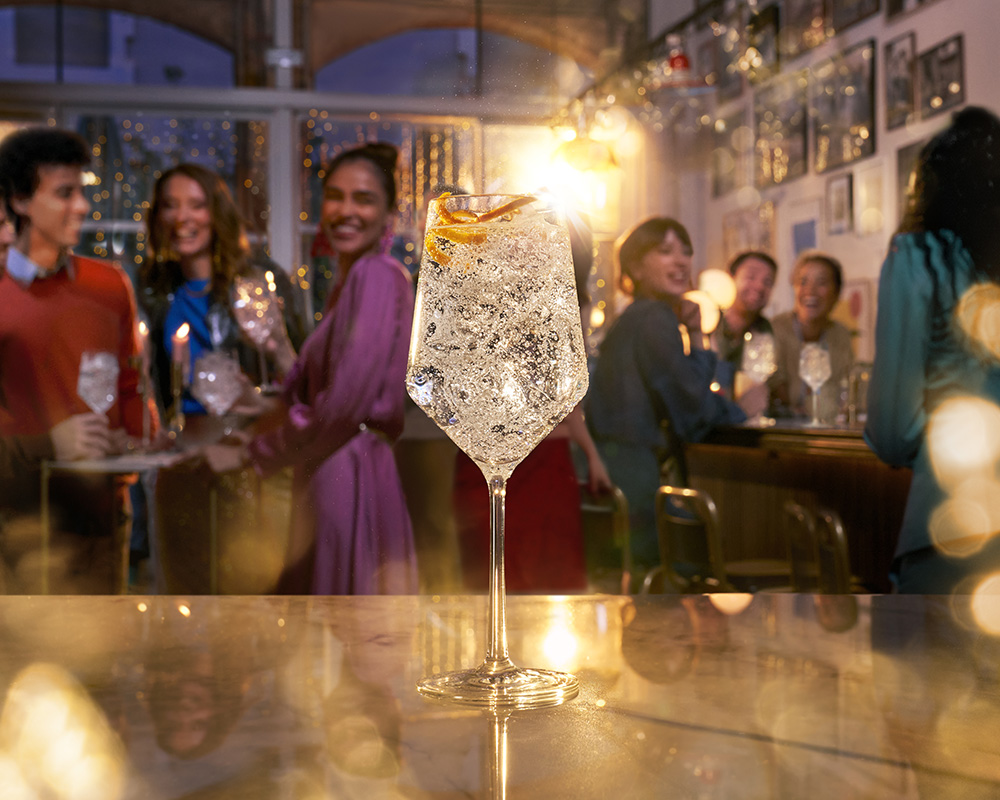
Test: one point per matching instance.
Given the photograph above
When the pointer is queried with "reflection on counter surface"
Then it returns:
(736, 696)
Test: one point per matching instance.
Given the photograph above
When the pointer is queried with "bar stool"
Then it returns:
(605, 524)
(802, 558)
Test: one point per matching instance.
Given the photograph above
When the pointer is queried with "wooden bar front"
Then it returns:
(751, 472)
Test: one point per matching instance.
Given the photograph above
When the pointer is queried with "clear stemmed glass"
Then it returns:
(497, 360)
(218, 384)
(97, 384)
(257, 313)
(814, 369)
(759, 362)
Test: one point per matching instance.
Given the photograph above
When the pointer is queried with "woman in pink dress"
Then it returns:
(343, 398)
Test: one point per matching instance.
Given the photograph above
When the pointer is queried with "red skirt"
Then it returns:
(543, 548)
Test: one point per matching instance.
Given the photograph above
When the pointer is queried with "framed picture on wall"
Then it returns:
(906, 160)
(845, 13)
(730, 46)
(780, 114)
(843, 107)
(762, 36)
(893, 8)
(900, 80)
(748, 229)
(869, 197)
(941, 77)
(839, 204)
(803, 26)
(732, 144)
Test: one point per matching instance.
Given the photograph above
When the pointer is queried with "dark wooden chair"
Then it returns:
(606, 540)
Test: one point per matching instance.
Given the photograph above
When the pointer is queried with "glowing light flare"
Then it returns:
(560, 647)
(710, 313)
(59, 738)
(963, 440)
(985, 605)
(978, 315)
(719, 285)
(731, 603)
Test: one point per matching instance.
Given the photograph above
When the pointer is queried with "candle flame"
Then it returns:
(183, 331)
(143, 330)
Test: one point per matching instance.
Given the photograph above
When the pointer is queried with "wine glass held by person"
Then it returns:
(197, 248)
(753, 274)
(651, 389)
(935, 383)
(351, 533)
(816, 280)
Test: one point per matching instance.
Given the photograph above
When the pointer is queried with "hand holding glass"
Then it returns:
(218, 383)
(497, 360)
(814, 369)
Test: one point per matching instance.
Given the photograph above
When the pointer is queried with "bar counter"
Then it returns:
(724, 696)
(751, 470)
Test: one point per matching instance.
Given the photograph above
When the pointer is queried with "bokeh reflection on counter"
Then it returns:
(764, 696)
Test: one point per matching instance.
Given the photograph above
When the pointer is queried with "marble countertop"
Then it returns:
(726, 696)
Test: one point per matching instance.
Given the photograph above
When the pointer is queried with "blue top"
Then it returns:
(923, 359)
(643, 378)
(190, 304)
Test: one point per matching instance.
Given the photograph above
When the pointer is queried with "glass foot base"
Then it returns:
(512, 688)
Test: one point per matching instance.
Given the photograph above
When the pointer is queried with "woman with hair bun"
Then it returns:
(351, 533)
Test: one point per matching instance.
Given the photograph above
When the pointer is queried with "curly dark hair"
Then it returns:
(161, 270)
(957, 186)
(24, 151)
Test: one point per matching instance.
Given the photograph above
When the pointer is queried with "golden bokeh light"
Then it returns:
(986, 605)
(719, 285)
(978, 315)
(710, 313)
(731, 603)
(963, 440)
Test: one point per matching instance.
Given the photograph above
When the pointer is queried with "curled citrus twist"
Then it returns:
(459, 217)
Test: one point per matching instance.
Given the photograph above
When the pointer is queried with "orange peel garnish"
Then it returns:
(450, 225)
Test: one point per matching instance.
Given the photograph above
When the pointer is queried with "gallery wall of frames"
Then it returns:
(819, 111)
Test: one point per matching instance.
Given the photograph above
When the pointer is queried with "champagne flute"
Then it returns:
(814, 369)
(256, 313)
(758, 364)
(97, 384)
(497, 360)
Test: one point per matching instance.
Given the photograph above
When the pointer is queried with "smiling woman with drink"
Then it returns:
(816, 279)
(651, 390)
(343, 398)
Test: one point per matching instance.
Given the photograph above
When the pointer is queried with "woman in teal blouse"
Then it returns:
(935, 386)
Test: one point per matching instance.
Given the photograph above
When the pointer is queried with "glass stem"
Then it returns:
(497, 659)
(815, 406)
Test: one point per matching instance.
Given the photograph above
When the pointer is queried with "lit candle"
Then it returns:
(180, 344)
(143, 343)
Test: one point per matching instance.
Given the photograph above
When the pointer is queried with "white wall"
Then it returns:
(686, 192)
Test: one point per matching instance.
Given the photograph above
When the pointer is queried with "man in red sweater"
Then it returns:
(56, 306)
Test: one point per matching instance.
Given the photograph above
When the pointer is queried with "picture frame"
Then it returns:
(941, 77)
(762, 36)
(869, 197)
(845, 13)
(730, 45)
(843, 107)
(781, 128)
(731, 151)
(803, 26)
(900, 67)
(906, 160)
(839, 204)
(895, 8)
(748, 229)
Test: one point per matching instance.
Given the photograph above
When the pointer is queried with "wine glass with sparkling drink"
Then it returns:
(497, 360)
(758, 364)
(257, 314)
(97, 383)
(814, 369)
(218, 384)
